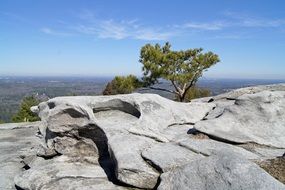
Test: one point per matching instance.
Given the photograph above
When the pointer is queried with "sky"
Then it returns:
(103, 38)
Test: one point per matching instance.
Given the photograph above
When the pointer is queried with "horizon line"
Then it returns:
(111, 76)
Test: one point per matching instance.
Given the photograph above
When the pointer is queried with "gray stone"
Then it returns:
(130, 166)
(141, 114)
(177, 132)
(78, 150)
(221, 171)
(82, 184)
(166, 156)
(255, 118)
(208, 147)
(234, 94)
(115, 129)
(17, 142)
(48, 172)
(269, 153)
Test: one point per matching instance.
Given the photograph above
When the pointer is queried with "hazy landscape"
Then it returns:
(13, 89)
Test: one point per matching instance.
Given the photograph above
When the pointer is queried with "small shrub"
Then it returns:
(122, 85)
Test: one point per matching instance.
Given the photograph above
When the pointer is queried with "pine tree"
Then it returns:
(181, 68)
(24, 113)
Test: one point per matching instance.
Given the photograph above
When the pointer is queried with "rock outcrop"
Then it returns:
(249, 118)
(144, 141)
(18, 145)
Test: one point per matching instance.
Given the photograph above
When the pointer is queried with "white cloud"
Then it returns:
(83, 29)
(264, 23)
(234, 20)
(89, 24)
(230, 36)
(111, 29)
(151, 34)
(122, 29)
(53, 32)
(244, 20)
(217, 25)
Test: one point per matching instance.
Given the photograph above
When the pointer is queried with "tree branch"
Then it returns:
(191, 84)
(176, 88)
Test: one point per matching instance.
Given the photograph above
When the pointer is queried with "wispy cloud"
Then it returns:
(216, 25)
(111, 29)
(122, 29)
(233, 20)
(226, 27)
(53, 32)
(231, 36)
(245, 20)
(265, 23)
(151, 34)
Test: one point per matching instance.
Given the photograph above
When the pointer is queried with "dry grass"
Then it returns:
(275, 167)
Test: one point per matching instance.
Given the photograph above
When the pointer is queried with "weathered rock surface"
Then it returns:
(222, 171)
(257, 118)
(167, 156)
(115, 129)
(264, 152)
(269, 153)
(234, 94)
(208, 147)
(130, 166)
(17, 142)
(48, 174)
(132, 141)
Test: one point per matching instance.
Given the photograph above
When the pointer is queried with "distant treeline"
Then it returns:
(12, 91)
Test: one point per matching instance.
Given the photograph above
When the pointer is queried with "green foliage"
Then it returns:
(1, 121)
(71, 94)
(122, 85)
(181, 68)
(24, 113)
(195, 92)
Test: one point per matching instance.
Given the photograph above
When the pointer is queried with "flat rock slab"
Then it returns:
(17, 141)
(222, 171)
(51, 173)
(167, 156)
(177, 132)
(234, 94)
(131, 168)
(82, 184)
(208, 147)
(257, 118)
(269, 153)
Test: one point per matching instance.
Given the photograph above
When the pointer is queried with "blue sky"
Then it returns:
(103, 38)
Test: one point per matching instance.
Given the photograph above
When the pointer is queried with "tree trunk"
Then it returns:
(181, 97)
